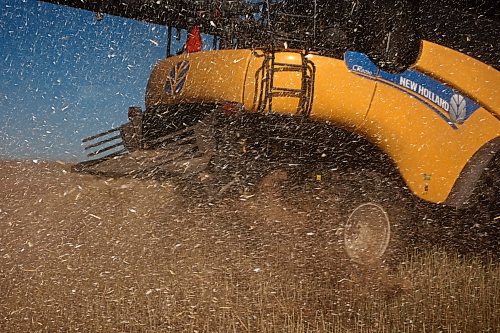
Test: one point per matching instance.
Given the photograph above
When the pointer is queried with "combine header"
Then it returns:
(123, 151)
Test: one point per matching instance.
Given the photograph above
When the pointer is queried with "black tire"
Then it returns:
(475, 229)
(336, 201)
(236, 167)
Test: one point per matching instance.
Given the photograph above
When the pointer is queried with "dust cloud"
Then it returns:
(84, 253)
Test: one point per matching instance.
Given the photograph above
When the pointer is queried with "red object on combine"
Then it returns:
(193, 42)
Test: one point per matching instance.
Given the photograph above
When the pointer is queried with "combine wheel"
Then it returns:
(378, 217)
(367, 233)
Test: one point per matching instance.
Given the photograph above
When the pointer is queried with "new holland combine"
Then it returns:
(320, 90)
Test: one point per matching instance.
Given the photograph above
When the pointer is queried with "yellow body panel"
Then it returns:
(474, 78)
(340, 96)
(215, 76)
(427, 147)
(428, 153)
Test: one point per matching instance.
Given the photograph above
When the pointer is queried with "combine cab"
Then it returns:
(391, 135)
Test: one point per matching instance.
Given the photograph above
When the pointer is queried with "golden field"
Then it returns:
(86, 254)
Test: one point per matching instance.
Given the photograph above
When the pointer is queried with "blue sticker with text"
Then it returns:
(448, 103)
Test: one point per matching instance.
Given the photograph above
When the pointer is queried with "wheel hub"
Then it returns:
(367, 233)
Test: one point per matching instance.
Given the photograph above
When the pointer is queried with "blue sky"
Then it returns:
(65, 76)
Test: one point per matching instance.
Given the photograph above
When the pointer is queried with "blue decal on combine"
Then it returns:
(445, 101)
(360, 62)
(175, 81)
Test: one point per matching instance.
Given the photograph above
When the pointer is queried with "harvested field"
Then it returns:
(86, 254)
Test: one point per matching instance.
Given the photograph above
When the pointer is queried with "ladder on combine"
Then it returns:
(269, 91)
(282, 18)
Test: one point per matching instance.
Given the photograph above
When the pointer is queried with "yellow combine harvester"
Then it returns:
(438, 120)
(237, 114)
